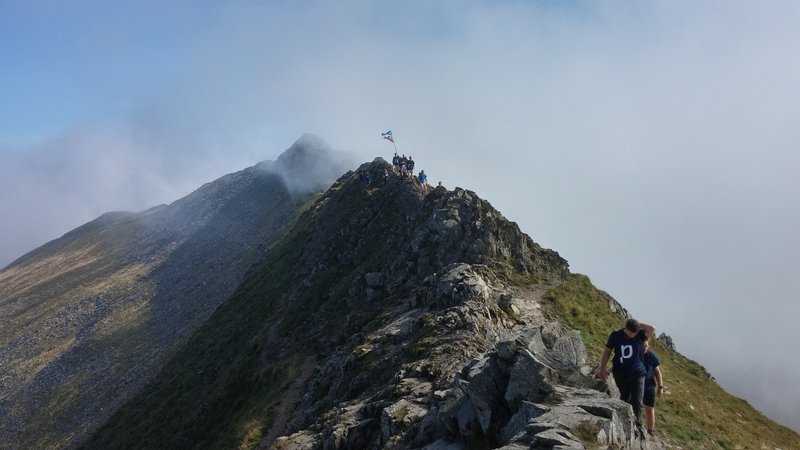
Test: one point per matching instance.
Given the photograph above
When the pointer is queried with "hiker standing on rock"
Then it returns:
(653, 386)
(628, 366)
(423, 181)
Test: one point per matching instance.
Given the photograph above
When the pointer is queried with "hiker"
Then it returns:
(410, 167)
(385, 175)
(653, 386)
(423, 181)
(403, 166)
(628, 365)
(396, 163)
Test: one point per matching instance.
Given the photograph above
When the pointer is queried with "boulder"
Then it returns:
(303, 440)
(459, 283)
(399, 416)
(666, 341)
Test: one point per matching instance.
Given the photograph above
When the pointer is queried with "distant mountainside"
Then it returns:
(89, 317)
(262, 313)
(391, 318)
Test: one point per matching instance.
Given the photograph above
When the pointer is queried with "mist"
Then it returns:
(654, 145)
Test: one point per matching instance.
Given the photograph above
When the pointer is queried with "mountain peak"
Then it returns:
(310, 164)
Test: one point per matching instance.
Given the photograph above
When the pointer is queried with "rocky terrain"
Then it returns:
(422, 315)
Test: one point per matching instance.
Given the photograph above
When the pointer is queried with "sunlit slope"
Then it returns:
(694, 410)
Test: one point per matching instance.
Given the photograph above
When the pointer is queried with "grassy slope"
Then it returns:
(694, 411)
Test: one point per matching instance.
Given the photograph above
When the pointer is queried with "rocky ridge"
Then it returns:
(462, 358)
(423, 314)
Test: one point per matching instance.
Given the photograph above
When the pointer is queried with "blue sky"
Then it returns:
(67, 63)
(652, 144)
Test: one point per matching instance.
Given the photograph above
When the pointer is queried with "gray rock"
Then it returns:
(569, 348)
(459, 283)
(550, 332)
(508, 304)
(666, 341)
(506, 350)
(399, 416)
(520, 419)
(303, 440)
(442, 444)
(365, 434)
(556, 439)
(528, 380)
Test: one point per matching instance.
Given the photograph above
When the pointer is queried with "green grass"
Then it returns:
(695, 411)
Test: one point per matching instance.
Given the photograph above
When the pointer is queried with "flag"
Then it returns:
(388, 136)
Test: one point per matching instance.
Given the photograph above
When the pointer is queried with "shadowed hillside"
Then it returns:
(89, 317)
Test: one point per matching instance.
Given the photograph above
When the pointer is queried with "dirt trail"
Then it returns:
(287, 402)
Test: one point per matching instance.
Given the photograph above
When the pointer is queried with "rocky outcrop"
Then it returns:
(490, 376)
(536, 396)
(531, 392)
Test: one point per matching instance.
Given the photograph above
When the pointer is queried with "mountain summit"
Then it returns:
(310, 164)
(373, 315)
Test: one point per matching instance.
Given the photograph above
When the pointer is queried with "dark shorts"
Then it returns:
(649, 397)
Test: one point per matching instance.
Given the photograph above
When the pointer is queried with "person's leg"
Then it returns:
(637, 397)
(624, 387)
(649, 408)
(650, 417)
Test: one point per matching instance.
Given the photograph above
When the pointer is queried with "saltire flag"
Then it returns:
(388, 136)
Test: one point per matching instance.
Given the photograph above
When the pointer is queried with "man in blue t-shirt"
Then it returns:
(653, 385)
(628, 364)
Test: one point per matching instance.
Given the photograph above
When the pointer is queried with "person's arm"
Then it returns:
(649, 330)
(659, 381)
(603, 372)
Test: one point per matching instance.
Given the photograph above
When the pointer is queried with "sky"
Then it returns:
(654, 145)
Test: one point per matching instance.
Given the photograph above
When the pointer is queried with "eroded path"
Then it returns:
(287, 402)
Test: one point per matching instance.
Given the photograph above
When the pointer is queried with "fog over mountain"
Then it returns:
(652, 145)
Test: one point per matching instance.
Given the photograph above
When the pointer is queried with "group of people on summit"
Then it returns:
(636, 369)
(400, 166)
(405, 168)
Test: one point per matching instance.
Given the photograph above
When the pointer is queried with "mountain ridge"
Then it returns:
(397, 318)
(412, 307)
(93, 314)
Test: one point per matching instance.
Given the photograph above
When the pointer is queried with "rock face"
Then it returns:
(462, 359)
(532, 390)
